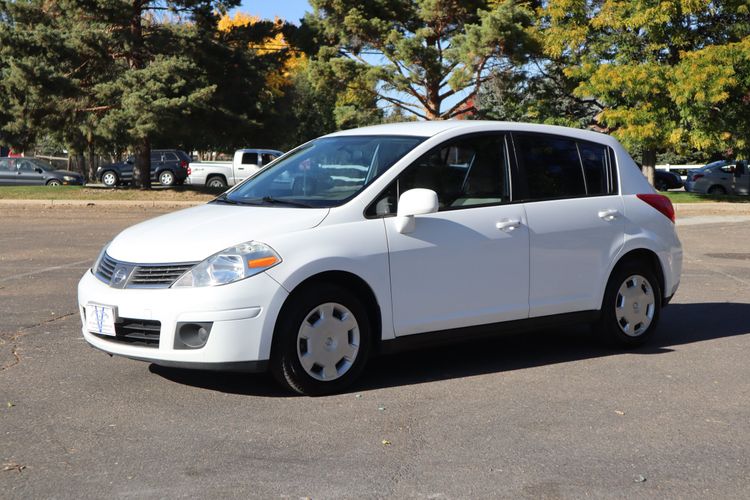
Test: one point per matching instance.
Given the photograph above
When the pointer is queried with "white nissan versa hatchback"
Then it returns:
(385, 236)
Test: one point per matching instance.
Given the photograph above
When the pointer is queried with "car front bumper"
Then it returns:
(241, 316)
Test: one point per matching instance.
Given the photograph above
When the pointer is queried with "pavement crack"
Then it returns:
(14, 339)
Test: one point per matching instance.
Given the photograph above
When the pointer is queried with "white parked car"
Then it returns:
(382, 237)
(221, 174)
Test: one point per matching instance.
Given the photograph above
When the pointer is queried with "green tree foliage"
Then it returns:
(538, 93)
(415, 54)
(639, 59)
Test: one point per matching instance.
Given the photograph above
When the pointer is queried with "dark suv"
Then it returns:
(168, 167)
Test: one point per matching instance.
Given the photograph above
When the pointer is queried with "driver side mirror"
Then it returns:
(414, 202)
(38, 170)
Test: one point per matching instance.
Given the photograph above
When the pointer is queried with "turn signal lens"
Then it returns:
(263, 262)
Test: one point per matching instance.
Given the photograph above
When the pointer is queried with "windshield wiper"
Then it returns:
(275, 201)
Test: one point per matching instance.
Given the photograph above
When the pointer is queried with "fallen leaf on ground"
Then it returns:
(386, 442)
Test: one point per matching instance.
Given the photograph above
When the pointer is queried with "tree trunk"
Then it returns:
(90, 172)
(649, 164)
(142, 167)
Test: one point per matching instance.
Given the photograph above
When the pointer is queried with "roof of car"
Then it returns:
(258, 150)
(431, 128)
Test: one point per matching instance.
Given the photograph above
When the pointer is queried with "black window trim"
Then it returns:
(511, 166)
(610, 172)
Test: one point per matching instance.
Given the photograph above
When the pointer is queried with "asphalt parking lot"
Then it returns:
(543, 415)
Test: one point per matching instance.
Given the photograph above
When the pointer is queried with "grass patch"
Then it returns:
(178, 193)
(683, 197)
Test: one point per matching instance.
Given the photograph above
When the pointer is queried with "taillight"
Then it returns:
(184, 164)
(189, 171)
(659, 202)
(697, 176)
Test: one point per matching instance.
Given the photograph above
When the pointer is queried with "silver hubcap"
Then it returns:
(635, 305)
(328, 341)
(109, 179)
(215, 183)
(166, 178)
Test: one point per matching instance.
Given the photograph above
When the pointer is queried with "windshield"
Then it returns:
(326, 172)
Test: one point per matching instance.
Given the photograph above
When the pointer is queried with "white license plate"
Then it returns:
(100, 319)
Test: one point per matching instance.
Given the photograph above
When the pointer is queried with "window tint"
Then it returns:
(249, 158)
(551, 164)
(595, 162)
(468, 172)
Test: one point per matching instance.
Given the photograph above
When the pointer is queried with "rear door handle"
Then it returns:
(610, 214)
(507, 225)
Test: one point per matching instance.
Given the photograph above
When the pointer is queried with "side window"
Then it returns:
(4, 165)
(728, 169)
(249, 158)
(170, 156)
(25, 166)
(156, 157)
(268, 158)
(466, 172)
(595, 161)
(552, 166)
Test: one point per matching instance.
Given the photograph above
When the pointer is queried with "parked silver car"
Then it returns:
(720, 177)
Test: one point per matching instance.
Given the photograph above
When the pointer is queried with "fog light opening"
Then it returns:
(192, 335)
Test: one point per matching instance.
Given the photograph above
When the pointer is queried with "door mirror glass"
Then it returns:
(39, 170)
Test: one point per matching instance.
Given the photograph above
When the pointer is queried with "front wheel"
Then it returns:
(631, 307)
(166, 178)
(661, 186)
(109, 178)
(54, 182)
(321, 341)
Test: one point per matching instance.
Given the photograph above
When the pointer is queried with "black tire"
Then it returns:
(661, 185)
(289, 346)
(216, 182)
(110, 178)
(717, 190)
(167, 178)
(54, 182)
(614, 322)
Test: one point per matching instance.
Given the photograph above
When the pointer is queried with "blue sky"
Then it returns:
(291, 10)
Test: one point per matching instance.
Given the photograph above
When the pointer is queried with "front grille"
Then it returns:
(139, 275)
(161, 276)
(106, 268)
(142, 332)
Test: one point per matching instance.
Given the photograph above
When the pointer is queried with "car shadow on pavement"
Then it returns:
(680, 324)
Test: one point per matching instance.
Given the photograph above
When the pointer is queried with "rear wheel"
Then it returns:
(166, 178)
(109, 178)
(216, 182)
(717, 190)
(322, 340)
(631, 307)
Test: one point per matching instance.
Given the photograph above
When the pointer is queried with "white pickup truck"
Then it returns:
(221, 174)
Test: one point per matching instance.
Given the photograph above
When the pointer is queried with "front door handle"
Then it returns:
(507, 225)
(610, 214)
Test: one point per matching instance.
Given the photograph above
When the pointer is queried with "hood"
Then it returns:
(193, 234)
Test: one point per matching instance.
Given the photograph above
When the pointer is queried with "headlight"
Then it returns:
(68, 178)
(230, 265)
